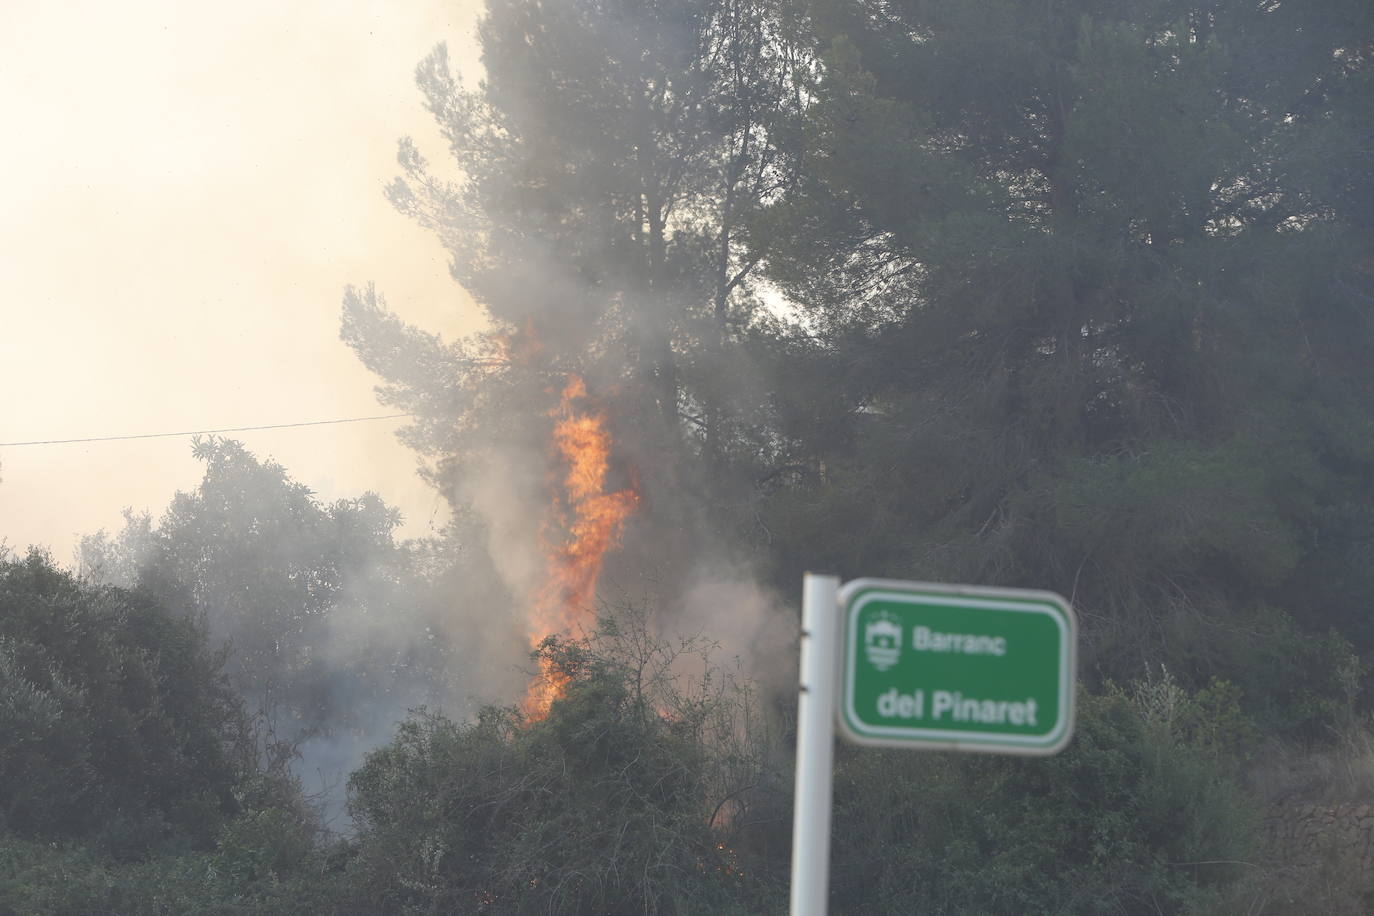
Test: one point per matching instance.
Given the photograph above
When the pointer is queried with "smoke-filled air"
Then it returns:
(1072, 297)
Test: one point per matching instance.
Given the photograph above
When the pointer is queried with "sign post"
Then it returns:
(924, 667)
(815, 746)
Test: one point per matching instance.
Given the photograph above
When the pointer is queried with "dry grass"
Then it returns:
(1328, 879)
(1340, 773)
(1331, 887)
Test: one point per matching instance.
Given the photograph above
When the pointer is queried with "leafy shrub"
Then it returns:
(114, 721)
(1134, 811)
(1300, 685)
(66, 879)
(604, 806)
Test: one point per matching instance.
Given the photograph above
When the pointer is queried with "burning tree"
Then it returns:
(585, 523)
(609, 161)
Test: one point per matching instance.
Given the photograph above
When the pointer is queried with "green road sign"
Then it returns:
(956, 667)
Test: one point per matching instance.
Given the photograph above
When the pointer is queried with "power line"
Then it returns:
(206, 432)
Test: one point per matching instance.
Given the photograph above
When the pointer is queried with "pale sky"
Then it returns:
(185, 189)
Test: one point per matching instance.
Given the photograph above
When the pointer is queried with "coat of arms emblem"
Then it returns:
(882, 641)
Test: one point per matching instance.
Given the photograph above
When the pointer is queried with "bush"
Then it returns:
(604, 806)
(114, 722)
(66, 879)
(1134, 816)
(1296, 684)
(1301, 685)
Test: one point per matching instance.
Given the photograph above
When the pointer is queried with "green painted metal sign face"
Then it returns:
(956, 667)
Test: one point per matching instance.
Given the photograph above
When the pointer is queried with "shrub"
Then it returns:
(1132, 817)
(67, 879)
(604, 806)
(114, 722)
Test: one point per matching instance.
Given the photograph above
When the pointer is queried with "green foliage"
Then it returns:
(62, 879)
(129, 778)
(1139, 814)
(269, 841)
(1304, 684)
(1087, 318)
(1293, 683)
(1179, 510)
(604, 806)
(1213, 721)
(114, 718)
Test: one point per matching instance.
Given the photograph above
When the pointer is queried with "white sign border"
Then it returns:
(1011, 599)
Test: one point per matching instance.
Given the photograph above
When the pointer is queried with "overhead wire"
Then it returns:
(205, 432)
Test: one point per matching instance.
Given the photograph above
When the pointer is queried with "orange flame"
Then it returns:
(585, 523)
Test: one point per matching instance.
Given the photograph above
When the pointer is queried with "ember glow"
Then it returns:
(585, 522)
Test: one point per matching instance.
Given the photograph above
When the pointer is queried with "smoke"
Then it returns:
(751, 624)
(508, 489)
(335, 630)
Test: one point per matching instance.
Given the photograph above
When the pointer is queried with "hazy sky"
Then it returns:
(185, 189)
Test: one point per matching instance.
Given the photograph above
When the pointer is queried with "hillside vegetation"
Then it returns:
(1072, 295)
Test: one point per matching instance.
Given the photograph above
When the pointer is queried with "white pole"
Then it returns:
(815, 745)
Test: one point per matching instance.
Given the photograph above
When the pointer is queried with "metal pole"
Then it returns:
(815, 745)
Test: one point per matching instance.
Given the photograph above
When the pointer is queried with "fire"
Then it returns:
(585, 522)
